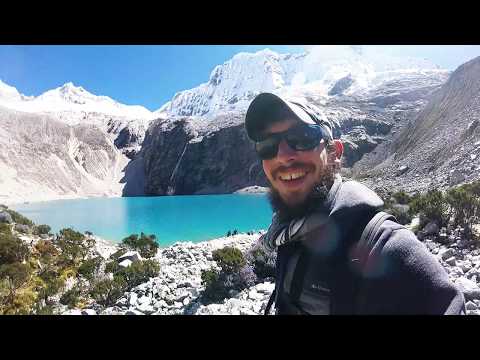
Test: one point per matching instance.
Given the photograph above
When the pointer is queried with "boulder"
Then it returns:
(73, 312)
(22, 228)
(446, 253)
(125, 263)
(5, 217)
(265, 288)
(133, 256)
(456, 177)
(146, 308)
(470, 305)
(451, 261)
(89, 312)
(133, 299)
(431, 228)
(469, 288)
(133, 312)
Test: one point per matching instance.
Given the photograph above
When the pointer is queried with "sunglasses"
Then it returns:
(299, 138)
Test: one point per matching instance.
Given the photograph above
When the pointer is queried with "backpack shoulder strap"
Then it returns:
(368, 238)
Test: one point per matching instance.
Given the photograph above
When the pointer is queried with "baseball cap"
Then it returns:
(267, 108)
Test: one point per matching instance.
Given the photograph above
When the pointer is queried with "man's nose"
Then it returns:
(285, 152)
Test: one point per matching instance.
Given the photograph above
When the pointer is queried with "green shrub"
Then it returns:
(12, 249)
(90, 267)
(41, 229)
(138, 272)
(106, 292)
(74, 246)
(263, 262)
(465, 205)
(72, 297)
(431, 206)
(19, 218)
(229, 259)
(401, 197)
(145, 245)
(5, 229)
(215, 289)
(112, 267)
(117, 254)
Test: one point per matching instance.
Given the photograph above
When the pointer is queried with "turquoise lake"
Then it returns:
(170, 218)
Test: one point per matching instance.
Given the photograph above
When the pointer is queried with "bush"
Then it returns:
(465, 205)
(19, 219)
(229, 259)
(106, 292)
(263, 262)
(401, 197)
(5, 229)
(145, 245)
(12, 249)
(234, 275)
(138, 272)
(72, 297)
(112, 267)
(90, 267)
(41, 229)
(431, 206)
(73, 245)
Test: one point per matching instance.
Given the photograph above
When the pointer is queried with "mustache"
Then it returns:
(292, 167)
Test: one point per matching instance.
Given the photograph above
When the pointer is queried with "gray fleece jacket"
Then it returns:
(315, 273)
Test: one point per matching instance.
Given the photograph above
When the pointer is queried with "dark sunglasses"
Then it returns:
(300, 138)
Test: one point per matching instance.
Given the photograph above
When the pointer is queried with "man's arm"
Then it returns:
(406, 279)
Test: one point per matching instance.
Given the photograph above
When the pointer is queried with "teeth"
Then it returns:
(292, 176)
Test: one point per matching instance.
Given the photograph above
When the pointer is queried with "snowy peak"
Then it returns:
(233, 84)
(69, 98)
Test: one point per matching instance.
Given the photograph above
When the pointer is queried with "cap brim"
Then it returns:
(267, 108)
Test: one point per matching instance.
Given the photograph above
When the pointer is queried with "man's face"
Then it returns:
(293, 174)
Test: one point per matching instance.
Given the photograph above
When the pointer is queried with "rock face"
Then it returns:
(179, 161)
(440, 145)
(42, 158)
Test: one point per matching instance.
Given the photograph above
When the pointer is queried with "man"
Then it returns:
(319, 219)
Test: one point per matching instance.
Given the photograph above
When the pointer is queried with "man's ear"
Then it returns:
(338, 148)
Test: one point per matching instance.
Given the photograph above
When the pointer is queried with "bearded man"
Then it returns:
(336, 252)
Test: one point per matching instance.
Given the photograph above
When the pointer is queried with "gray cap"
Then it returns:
(268, 108)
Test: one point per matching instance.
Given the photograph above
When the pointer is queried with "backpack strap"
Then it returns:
(363, 250)
(368, 239)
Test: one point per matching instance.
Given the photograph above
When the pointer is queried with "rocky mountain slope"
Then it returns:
(42, 158)
(440, 146)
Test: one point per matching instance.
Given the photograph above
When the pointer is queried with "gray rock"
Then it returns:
(133, 312)
(5, 217)
(144, 300)
(431, 228)
(265, 288)
(469, 288)
(89, 312)
(22, 228)
(470, 306)
(73, 312)
(446, 253)
(456, 177)
(133, 256)
(133, 299)
(146, 308)
(451, 261)
(125, 263)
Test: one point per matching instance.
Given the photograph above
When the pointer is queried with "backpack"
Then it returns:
(364, 246)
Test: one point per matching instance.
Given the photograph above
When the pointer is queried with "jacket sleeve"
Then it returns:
(403, 277)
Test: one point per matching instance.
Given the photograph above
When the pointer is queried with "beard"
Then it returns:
(314, 200)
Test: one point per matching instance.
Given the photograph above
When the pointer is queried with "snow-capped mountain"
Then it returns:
(69, 98)
(233, 85)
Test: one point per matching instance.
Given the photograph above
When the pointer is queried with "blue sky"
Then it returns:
(151, 75)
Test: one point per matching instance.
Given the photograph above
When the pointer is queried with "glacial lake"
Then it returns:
(171, 218)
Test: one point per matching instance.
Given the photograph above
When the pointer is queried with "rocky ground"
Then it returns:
(177, 288)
